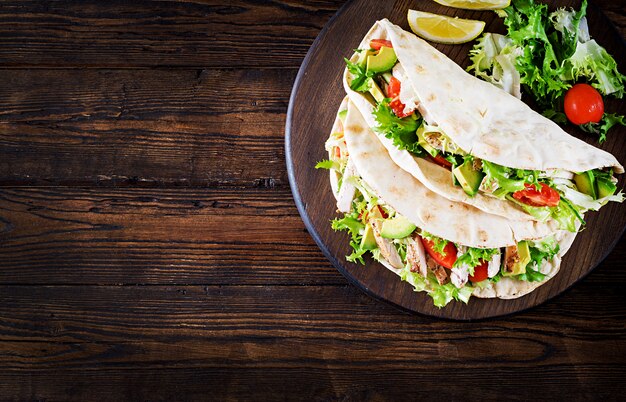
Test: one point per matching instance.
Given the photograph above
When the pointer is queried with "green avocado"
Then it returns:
(376, 92)
(421, 140)
(383, 61)
(342, 115)
(362, 59)
(605, 188)
(585, 182)
(518, 257)
(468, 178)
(397, 228)
(368, 242)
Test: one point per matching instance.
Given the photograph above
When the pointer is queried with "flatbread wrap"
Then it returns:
(446, 248)
(470, 141)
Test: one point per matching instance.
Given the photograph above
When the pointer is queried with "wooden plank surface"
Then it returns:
(150, 248)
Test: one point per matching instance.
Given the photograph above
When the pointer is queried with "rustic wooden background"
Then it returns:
(150, 248)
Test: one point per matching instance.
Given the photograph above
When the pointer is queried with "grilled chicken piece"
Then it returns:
(347, 190)
(440, 274)
(459, 275)
(494, 265)
(416, 256)
(387, 249)
(511, 257)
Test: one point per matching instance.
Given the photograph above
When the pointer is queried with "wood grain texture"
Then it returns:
(150, 248)
(143, 33)
(153, 127)
(308, 129)
(152, 236)
(335, 340)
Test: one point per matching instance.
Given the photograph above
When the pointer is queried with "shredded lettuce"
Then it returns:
(401, 130)
(328, 164)
(583, 201)
(540, 251)
(567, 215)
(508, 180)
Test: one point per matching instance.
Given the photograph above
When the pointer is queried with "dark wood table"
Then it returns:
(150, 248)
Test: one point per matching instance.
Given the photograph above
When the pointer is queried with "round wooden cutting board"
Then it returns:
(316, 96)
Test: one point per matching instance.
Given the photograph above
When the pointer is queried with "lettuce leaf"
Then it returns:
(401, 131)
(603, 126)
(474, 257)
(441, 294)
(328, 164)
(439, 244)
(360, 77)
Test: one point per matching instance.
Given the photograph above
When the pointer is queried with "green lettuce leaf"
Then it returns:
(603, 126)
(474, 257)
(401, 131)
(360, 77)
(328, 164)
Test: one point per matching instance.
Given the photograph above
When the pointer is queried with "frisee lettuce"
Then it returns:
(439, 244)
(603, 126)
(474, 257)
(441, 294)
(401, 130)
(551, 52)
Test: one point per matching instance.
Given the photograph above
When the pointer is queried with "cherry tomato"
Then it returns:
(393, 92)
(583, 104)
(376, 44)
(447, 259)
(546, 197)
(480, 272)
(441, 161)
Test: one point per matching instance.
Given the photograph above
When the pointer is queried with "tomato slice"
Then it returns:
(583, 104)
(384, 214)
(546, 197)
(376, 44)
(441, 161)
(393, 92)
(480, 272)
(447, 259)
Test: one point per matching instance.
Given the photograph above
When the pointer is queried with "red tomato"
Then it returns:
(384, 214)
(583, 104)
(546, 197)
(338, 152)
(393, 92)
(441, 161)
(447, 259)
(376, 44)
(480, 272)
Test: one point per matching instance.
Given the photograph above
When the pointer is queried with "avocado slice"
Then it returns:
(586, 183)
(368, 242)
(605, 188)
(397, 228)
(376, 92)
(421, 140)
(516, 258)
(468, 178)
(383, 61)
(362, 59)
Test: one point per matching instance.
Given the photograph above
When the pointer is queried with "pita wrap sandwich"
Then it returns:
(472, 142)
(446, 248)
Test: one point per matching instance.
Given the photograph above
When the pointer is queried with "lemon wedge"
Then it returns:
(444, 29)
(475, 4)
